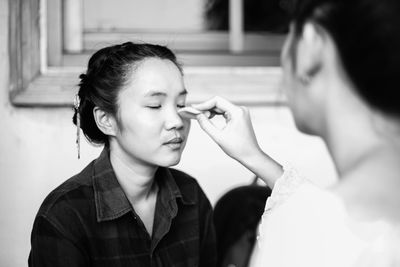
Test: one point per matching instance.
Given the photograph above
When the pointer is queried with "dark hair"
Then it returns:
(367, 36)
(107, 73)
(236, 217)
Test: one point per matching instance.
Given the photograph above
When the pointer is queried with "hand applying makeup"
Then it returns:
(191, 113)
(237, 138)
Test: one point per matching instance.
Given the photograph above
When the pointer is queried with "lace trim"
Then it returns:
(284, 187)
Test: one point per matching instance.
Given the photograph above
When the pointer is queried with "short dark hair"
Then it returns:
(107, 73)
(367, 36)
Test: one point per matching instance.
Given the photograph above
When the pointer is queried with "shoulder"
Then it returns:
(311, 226)
(308, 210)
(313, 204)
(75, 193)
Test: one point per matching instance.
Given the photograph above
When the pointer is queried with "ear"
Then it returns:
(310, 53)
(105, 122)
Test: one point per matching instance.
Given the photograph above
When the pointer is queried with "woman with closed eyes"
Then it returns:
(127, 207)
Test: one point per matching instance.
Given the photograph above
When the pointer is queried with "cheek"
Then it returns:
(290, 85)
(287, 84)
(142, 127)
(151, 127)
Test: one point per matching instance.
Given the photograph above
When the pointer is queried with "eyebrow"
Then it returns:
(158, 93)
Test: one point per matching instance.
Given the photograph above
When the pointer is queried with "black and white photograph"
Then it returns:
(200, 133)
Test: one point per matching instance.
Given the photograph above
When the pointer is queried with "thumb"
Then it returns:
(207, 126)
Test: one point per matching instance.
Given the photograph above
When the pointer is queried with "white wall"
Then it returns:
(38, 152)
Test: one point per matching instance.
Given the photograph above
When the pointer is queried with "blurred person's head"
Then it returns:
(129, 98)
(342, 44)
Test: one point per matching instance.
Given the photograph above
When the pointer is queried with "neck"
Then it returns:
(368, 166)
(136, 178)
(348, 127)
(351, 145)
(359, 135)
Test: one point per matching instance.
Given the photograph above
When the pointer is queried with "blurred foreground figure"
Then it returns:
(236, 216)
(341, 70)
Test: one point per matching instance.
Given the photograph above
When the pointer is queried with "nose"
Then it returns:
(173, 120)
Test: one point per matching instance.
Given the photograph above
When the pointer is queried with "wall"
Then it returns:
(38, 152)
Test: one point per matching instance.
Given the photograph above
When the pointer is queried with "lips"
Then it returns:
(175, 143)
(176, 140)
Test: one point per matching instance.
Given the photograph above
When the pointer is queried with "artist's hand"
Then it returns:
(236, 138)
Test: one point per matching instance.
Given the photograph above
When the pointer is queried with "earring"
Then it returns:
(305, 79)
(78, 124)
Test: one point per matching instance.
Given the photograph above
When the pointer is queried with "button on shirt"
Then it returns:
(88, 221)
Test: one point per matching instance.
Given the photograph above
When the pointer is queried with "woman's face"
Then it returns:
(151, 131)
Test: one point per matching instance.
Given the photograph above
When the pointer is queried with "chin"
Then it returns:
(168, 157)
(170, 160)
(169, 164)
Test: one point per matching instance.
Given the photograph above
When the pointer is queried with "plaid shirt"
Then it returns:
(88, 221)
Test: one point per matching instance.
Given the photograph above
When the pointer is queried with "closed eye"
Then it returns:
(154, 107)
(181, 106)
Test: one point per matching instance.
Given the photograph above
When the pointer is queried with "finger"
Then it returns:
(187, 115)
(212, 113)
(208, 114)
(189, 109)
(192, 116)
(219, 104)
(188, 112)
(216, 111)
(207, 126)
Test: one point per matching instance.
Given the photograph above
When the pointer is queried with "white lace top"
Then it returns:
(304, 225)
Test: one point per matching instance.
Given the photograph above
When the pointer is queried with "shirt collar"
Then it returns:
(111, 201)
(166, 182)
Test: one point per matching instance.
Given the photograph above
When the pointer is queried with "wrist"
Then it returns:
(263, 166)
(256, 154)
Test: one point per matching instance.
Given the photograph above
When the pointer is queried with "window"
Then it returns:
(55, 38)
(24, 44)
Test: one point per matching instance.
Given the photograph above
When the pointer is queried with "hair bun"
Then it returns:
(83, 77)
(84, 84)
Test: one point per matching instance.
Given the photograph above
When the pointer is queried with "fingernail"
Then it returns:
(207, 113)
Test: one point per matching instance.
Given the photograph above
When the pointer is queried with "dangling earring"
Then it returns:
(304, 79)
(78, 124)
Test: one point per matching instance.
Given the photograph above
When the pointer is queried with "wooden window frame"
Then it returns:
(34, 83)
(24, 44)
